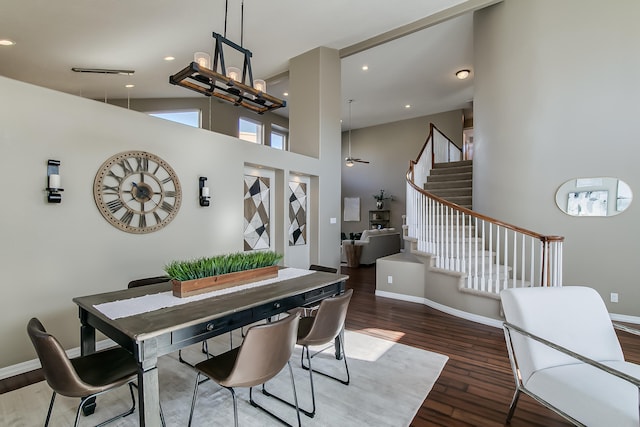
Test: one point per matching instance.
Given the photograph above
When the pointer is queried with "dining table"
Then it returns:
(150, 322)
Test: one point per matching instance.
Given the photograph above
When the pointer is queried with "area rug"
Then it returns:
(389, 382)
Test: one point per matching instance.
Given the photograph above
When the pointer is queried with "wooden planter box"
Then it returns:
(213, 283)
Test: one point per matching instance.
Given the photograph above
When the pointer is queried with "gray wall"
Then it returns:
(554, 101)
(388, 147)
(51, 253)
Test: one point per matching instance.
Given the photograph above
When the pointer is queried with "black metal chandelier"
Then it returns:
(218, 81)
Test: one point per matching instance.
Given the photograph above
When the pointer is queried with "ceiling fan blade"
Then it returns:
(360, 161)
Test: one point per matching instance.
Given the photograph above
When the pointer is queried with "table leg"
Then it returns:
(88, 346)
(87, 340)
(149, 394)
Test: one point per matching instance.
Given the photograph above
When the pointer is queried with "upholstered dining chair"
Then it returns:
(565, 354)
(326, 269)
(83, 377)
(325, 325)
(264, 352)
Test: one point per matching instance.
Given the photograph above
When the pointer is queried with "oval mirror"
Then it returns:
(602, 196)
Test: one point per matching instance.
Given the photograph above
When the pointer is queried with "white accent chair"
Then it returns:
(566, 355)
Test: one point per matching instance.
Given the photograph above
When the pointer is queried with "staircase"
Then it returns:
(489, 255)
(452, 181)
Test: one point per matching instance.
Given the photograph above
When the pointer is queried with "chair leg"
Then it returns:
(344, 356)
(512, 408)
(53, 398)
(122, 415)
(235, 406)
(295, 399)
(193, 400)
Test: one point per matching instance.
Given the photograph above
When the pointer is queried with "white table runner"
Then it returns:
(151, 302)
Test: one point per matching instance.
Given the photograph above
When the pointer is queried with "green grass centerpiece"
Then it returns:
(222, 271)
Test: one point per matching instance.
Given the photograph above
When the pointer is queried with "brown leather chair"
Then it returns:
(325, 325)
(265, 351)
(317, 267)
(147, 281)
(84, 377)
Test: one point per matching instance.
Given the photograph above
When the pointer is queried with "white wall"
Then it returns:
(556, 99)
(52, 253)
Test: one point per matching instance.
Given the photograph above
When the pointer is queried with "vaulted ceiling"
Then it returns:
(412, 48)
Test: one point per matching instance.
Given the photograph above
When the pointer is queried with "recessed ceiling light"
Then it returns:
(129, 86)
(407, 106)
(286, 94)
(169, 58)
(365, 67)
(6, 42)
(463, 74)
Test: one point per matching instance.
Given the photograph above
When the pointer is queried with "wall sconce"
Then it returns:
(53, 181)
(204, 192)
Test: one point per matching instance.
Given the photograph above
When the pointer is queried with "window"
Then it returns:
(250, 130)
(279, 137)
(186, 117)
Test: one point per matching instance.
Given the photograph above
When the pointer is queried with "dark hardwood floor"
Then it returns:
(476, 385)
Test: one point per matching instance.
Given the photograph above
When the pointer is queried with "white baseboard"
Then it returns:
(477, 318)
(445, 309)
(32, 365)
(625, 318)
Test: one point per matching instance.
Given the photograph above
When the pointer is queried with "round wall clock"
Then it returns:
(137, 192)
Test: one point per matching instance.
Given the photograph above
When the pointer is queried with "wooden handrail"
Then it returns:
(474, 214)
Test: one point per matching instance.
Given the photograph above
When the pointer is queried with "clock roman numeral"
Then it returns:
(157, 217)
(170, 193)
(107, 189)
(113, 175)
(143, 221)
(127, 217)
(142, 164)
(165, 206)
(126, 167)
(115, 205)
(167, 179)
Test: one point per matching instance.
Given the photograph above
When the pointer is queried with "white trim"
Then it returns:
(625, 318)
(32, 365)
(453, 311)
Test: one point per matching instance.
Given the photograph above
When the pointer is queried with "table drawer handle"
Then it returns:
(276, 305)
(209, 326)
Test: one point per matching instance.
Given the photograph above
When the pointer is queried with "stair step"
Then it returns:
(450, 177)
(464, 183)
(453, 164)
(451, 192)
(459, 200)
(452, 171)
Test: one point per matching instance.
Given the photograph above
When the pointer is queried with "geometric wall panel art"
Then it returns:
(297, 213)
(256, 213)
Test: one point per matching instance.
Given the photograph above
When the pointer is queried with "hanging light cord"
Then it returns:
(242, 24)
(226, 11)
(350, 101)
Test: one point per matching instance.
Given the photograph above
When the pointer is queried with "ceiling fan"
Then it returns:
(349, 159)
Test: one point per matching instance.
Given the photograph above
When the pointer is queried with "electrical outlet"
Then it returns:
(614, 297)
(390, 280)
